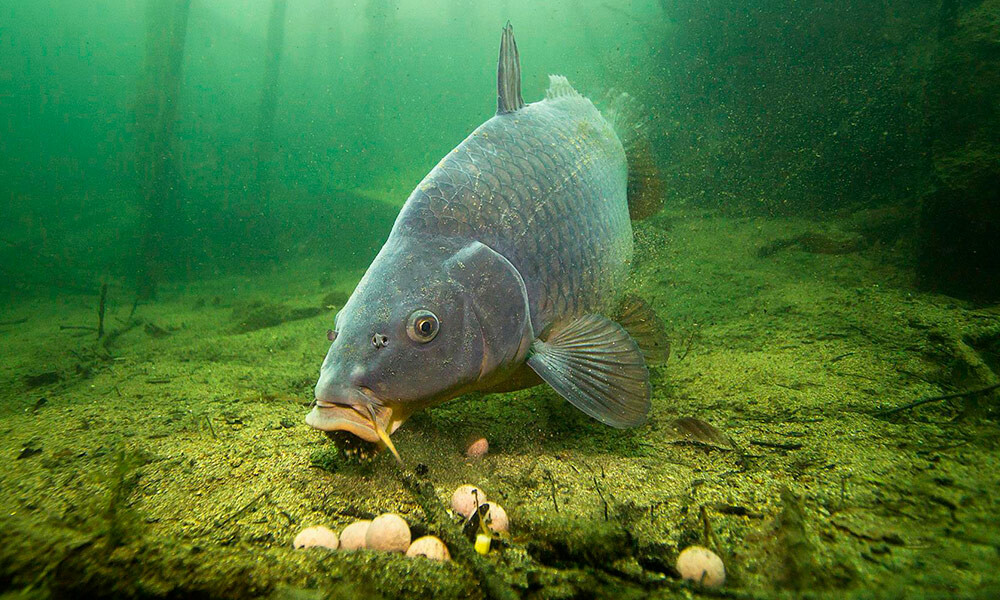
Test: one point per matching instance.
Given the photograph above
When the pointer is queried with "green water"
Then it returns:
(218, 175)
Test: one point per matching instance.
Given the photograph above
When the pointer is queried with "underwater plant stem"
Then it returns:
(552, 489)
(266, 494)
(921, 402)
(100, 310)
(135, 305)
(211, 428)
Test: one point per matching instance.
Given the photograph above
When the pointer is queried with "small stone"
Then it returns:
(498, 518)
(467, 499)
(429, 546)
(316, 537)
(353, 536)
(388, 532)
(478, 449)
(701, 565)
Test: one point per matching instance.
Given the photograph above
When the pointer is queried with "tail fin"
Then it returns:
(645, 182)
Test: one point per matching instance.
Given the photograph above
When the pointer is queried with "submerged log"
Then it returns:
(156, 112)
(269, 95)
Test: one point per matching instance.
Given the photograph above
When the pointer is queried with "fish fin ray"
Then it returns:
(508, 74)
(630, 120)
(645, 327)
(559, 87)
(593, 363)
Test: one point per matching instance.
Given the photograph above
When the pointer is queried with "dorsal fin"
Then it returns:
(508, 74)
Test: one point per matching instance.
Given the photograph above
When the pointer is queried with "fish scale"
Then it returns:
(548, 194)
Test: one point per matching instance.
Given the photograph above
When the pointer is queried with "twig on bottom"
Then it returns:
(975, 392)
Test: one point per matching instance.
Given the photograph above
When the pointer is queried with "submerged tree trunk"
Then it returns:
(269, 97)
(156, 112)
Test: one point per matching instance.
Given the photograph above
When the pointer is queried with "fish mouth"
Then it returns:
(369, 419)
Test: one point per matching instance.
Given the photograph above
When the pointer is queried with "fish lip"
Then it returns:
(354, 417)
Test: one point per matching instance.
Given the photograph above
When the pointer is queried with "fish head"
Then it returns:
(427, 322)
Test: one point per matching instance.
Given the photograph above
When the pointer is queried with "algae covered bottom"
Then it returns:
(161, 465)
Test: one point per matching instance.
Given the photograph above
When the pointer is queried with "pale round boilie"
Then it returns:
(353, 536)
(467, 499)
(389, 533)
(477, 449)
(429, 546)
(316, 537)
(701, 565)
(498, 518)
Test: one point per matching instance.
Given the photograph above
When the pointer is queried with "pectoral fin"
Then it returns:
(594, 364)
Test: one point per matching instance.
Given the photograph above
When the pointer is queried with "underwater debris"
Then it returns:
(31, 448)
(203, 422)
(46, 378)
(101, 305)
(963, 394)
(969, 362)
(316, 537)
(777, 445)
(735, 510)
(122, 523)
(347, 452)
(266, 494)
(261, 315)
(687, 341)
(114, 334)
(552, 489)
(155, 331)
(334, 299)
(82, 328)
(798, 564)
(867, 526)
(564, 541)
(695, 431)
(814, 243)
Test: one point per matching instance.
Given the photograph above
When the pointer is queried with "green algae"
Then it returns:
(794, 356)
(121, 480)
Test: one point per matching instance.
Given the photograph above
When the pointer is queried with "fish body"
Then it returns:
(545, 187)
(498, 274)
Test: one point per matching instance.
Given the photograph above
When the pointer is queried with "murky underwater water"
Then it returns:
(193, 190)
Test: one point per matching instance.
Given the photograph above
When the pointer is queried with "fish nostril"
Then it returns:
(379, 340)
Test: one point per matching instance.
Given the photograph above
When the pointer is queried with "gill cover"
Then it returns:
(498, 299)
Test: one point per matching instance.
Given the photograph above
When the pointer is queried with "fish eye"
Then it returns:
(422, 326)
(331, 335)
